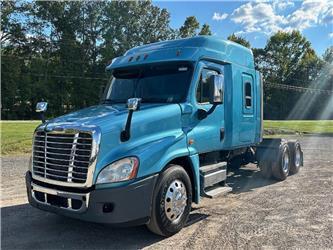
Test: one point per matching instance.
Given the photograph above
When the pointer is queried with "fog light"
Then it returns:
(107, 207)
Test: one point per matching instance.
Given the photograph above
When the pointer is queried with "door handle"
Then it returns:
(221, 134)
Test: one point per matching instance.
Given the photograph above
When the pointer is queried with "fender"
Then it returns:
(155, 155)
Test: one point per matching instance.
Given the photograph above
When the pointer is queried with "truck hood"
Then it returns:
(152, 121)
(155, 130)
(102, 116)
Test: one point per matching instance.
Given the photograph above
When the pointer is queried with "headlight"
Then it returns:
(122, 170)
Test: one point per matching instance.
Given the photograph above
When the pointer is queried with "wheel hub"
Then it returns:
(285, 162)
(297, 157)
(175, 200)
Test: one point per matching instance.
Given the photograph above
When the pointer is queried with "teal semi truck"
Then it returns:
(174, 117)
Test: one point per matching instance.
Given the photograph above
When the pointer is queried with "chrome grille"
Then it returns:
(62, 157)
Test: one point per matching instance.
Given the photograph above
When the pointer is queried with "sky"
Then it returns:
(256, 21)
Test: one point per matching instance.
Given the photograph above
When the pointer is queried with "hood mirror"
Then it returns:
(41, 108)
(133, 103)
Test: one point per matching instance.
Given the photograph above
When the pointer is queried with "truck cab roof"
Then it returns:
(188, 49)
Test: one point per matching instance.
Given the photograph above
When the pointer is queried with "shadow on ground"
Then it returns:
(247, 179)
(25, 227)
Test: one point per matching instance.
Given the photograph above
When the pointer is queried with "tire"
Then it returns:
(296, 157)
(173, 178)
(281, 167)
(266, 169)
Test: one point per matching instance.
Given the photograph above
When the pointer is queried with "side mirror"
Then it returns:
(41, 108)
(133, 103)
(216, 87)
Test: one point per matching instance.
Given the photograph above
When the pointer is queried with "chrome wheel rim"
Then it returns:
(285, 161)
(297, 157)
(175, 200)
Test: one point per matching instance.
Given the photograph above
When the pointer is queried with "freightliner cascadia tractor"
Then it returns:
(173, 118)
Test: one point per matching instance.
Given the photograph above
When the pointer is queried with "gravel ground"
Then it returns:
(295, 213)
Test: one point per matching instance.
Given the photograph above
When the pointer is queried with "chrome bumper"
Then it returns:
(37, 191)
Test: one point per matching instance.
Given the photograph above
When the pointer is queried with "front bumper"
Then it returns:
(128, 205)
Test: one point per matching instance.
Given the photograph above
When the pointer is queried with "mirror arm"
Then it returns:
(42, 117)
(211, 110)
(202, 113)
(126, 133)
(41, 108)
(133, 104)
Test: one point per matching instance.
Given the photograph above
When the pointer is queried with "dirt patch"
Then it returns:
(297, 213)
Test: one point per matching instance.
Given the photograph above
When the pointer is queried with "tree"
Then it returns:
(189, 28)
(205, 30)
(12, 31)
(287, 59)
(328, 55)
(60, 50)
(289, 55)
(240, 40)
(133, 23)
(327, 69)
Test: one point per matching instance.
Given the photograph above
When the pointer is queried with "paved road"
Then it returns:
(258, 214)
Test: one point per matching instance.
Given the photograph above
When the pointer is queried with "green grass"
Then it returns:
(320, 126)
(16, 136)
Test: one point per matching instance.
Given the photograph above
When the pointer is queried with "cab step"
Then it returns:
(215, 191)
(211, 176)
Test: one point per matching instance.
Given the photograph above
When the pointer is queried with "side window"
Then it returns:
(202, 94)
(248, 95)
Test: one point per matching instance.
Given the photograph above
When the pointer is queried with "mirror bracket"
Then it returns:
(133, 104)
(202, 113)
(41, 108)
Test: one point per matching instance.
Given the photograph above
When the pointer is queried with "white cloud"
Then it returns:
(281, 5)
(257, 17)
(219, 17)
(310, 14)
(330, 35)
(265, 17)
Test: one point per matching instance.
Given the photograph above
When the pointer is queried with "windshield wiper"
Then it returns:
(153, 100)
(110, 101)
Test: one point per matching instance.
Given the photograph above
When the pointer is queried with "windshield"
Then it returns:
(160, 83)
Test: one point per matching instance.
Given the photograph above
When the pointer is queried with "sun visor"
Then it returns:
(165, 55)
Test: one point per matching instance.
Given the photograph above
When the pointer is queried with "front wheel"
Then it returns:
(171, 202)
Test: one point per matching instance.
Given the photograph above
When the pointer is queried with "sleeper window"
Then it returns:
(248, 95)
(202, 94)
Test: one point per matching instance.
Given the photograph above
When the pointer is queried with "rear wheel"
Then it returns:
(172, 202)
(296, 157)
(281, 168)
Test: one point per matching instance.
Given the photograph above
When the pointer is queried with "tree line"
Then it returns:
(58, 51)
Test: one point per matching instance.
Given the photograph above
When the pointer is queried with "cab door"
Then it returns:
(207, 134)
